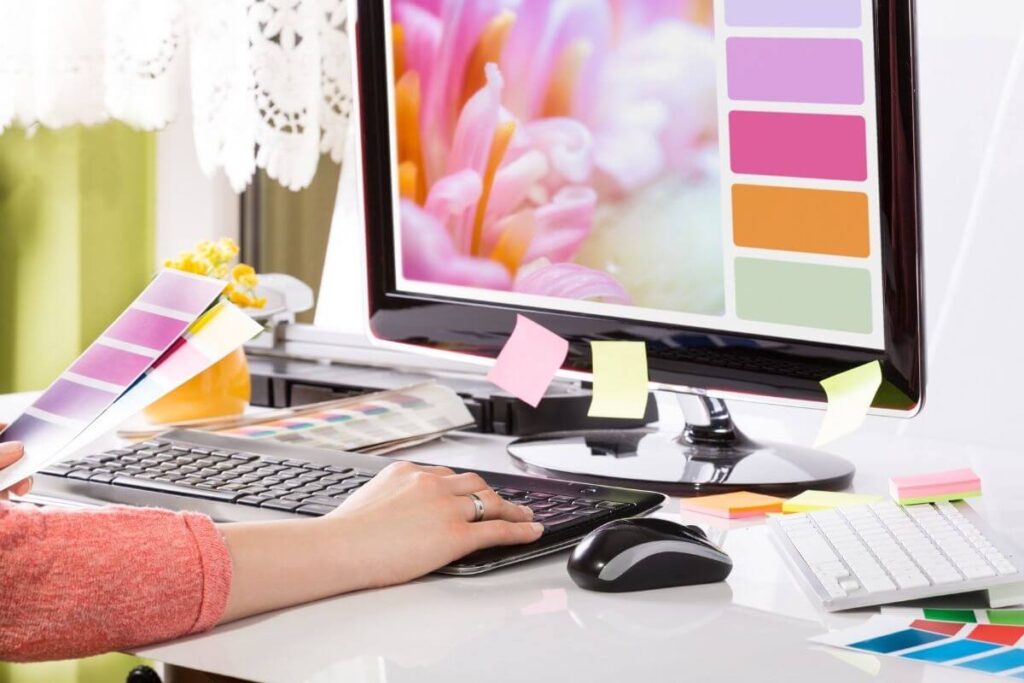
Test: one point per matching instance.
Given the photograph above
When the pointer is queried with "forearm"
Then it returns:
(290, 562)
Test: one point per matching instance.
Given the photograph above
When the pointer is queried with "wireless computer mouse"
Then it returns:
(645, 553)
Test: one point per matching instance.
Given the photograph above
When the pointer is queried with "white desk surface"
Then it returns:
(531, 623)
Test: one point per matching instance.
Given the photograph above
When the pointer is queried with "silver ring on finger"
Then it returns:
(478, 504)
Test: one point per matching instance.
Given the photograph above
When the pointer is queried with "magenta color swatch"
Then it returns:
(146, 329)
(793, 13)
(69, 399)
(822, 146)
(810, 70)
(111, 365)
(180, 292)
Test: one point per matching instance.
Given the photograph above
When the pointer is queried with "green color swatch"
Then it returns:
(804, 294)
(1012, 617)
(76, 242)
(960, 616)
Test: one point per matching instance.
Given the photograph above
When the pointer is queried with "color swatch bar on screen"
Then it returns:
(819, 146)
(132, 343)
(803, 70)
(804, 294)
(801, 220)
(223, 329)
(793, 13)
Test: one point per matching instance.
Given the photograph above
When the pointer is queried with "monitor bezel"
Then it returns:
(692, 358)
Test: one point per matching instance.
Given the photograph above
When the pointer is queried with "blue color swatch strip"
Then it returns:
(901, 640)
(1003, 661)
(947, 652)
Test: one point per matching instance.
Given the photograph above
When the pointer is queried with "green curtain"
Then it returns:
(76, 242)
(77, 217)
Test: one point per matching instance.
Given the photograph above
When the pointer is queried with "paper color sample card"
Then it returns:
(981, 648)
(620, 379)
(529, 361)
(850, 395)
(216, 334)
(935, 487)
(733, 505)
(809, 501)
(132, 343)
(1011, 617)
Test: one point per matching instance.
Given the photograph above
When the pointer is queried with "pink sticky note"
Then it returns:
(934, 483)
(529, 361)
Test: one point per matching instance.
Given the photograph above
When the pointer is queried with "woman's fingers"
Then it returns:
(461, 484)
(502, 532)
(495, 507)
(22, 487)
(10, 453)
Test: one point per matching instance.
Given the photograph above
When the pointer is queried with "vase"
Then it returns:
(222, 390)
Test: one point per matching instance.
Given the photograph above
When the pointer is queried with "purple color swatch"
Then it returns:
(146, 329)
(69, 399)
(180, 292)
(793, 13)
(37, 435)
(111, 365)
(807, 70)
(799, 145)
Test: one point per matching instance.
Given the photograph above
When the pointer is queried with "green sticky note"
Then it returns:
(620, 379)
(850, 395)
(1009, 617)
(960, 616)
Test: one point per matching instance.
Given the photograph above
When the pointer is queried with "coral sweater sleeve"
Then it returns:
(78, 583)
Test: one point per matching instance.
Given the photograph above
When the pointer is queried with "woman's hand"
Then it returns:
(410, 520)
(11, 453)
(406, 522)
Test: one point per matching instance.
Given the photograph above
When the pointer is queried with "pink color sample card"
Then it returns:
(821, 146)
(529, 361)
(129, 347)
(935, 487)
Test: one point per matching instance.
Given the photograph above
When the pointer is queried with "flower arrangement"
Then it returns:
(214, 259)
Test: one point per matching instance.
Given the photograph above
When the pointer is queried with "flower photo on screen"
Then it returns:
(561, 148)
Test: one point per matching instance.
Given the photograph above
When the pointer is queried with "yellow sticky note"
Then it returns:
(850, 395)
(620, 379)
(809, 501)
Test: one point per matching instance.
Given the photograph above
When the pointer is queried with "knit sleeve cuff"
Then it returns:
(216, 562)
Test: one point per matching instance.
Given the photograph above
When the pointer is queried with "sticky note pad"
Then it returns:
(809, 501)
(529, 361)
(733, 505)
(620, 379)
(850, 395)
(935, 487)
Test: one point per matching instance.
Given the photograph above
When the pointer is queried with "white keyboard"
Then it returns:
(882, 553)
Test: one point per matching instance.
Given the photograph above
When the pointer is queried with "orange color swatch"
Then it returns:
(796, 219)
(733, 505)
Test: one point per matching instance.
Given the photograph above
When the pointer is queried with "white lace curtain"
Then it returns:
(269, 79)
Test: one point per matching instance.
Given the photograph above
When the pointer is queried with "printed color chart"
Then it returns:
(988, 648)
(132, 343)
(800, 183)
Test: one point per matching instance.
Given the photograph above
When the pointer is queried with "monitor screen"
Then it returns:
(711, 164)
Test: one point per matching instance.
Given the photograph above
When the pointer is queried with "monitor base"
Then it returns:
(710, 456)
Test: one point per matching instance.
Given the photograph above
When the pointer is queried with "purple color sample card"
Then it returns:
(829, 147)
(793, 13)
(804, 70)
(126, 350)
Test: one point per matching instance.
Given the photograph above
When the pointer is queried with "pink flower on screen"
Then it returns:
(517, 117)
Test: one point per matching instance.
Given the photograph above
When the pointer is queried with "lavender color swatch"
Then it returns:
(805, 70)
(77, 401)
(181, 292)
(146, 329)
(111, 365)
(793, 13)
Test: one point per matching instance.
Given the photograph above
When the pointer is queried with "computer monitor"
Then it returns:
(733, 182)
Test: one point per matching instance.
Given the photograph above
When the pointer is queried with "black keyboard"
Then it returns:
(243, 483)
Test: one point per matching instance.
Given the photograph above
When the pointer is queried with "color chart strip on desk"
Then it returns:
(990, 648)
(799, 127)
(133, 342)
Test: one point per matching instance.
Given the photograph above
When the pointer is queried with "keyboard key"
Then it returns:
(314, 510)
(285, 505)
(174, 488)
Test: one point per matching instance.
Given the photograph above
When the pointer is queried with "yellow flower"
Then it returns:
(213, 259)
(241, 270)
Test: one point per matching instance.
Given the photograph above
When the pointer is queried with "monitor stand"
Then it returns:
(710, 456)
